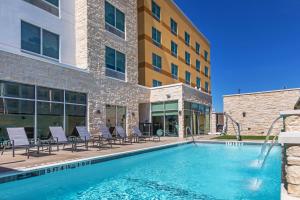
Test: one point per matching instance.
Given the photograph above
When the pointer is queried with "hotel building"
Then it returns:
(70, 63)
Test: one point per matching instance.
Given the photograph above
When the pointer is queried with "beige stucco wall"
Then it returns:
(261, 110)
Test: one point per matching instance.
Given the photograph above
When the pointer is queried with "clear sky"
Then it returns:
(255, 44)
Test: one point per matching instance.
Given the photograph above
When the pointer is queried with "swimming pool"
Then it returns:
(202, 171)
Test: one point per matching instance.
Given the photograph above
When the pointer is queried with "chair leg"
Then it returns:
(27, 152)
(3, 150)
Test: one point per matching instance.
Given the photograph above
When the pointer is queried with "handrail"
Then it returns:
(238, 132)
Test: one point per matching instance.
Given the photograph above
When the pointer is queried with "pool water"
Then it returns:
(202, 171)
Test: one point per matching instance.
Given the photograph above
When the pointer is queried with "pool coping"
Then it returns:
(24, 173)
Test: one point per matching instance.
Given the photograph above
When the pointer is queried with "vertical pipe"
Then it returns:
(35, 114)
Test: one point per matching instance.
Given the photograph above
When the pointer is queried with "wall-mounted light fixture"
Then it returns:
(133, 114)
(179, 112)
(168, 96)
(98, 112)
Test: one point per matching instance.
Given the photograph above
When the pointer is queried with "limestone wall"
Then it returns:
(256, 111)
(291, 168)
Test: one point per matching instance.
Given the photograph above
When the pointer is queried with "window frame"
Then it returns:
(158, 83)
(156, 57)
(174, 32)
(41, 42)
(156, 31)
(173, 75)
(153, 6)
(189, 75)
(206, 71)
(56, 6)
(197, 48)
(205, 55)
(187, 38)
(115, 67)
(175, 54)
(206, 87)
(115, 20)
(198, 80)
(187, 61)
(198, 69)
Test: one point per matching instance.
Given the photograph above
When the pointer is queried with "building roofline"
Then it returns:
(261, 92)
(190, 21)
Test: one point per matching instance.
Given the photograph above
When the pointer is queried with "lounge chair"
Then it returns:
(138, 134)
(58, 137)
(106, 136)
(19, 139)
(121, 134)
(86, 137)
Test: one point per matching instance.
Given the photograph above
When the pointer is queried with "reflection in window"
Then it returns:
(115, 116)
(75, 116)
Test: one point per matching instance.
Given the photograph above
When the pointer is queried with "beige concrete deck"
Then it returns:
(20, 161)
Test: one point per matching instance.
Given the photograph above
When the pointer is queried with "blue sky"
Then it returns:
(255, 44)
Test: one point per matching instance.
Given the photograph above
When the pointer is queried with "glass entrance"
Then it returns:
(115, 116)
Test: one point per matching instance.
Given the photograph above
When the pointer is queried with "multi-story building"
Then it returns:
(171, 48)
(68, 63)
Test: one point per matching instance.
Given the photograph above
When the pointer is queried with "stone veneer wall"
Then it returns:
(291, 169)
(108, 90)
(261, 110)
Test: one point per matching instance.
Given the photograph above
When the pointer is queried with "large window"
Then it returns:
(156, 62)
(156, 83)
(187, 77)
(114, 20)
(155, 10)
(174, 71)
(156, 36)
(187, 38)
(54, 108)
(198, 65)
(174, 48)
(115, 116)
(39, 41)
(115, 62)
(50, 6)
(187, 58)
(173, 25)
(196, 118)
(165, 117)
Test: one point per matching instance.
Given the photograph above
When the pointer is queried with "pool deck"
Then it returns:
(8, 163)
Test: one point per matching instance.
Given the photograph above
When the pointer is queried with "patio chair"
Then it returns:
(105, 135)
(58, 137)
(19, 139)
(138, 134)
(121, 134)
(86, 137)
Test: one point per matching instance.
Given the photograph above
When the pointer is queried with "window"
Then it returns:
(197, 48)
(187, 38)
(156, 36)
(206, 71)
(206, 86)
(53, 2)
(205, 55)
(114, 20)
(155, 11)
(174, 48)
(173, 26)
(174, 71)
(198, 82)
(50, 44)
(39, 41)
(187, 58)
(156, 83)
(115, 63)
(17, 109)
(187, 77)
(156, 62)
(198, 65)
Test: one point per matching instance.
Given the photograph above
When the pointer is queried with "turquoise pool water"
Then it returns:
(205, 171)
